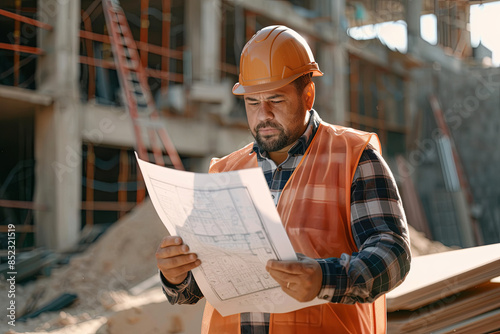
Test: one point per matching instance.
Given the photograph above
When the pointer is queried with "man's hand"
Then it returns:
(174, 260)
(300, 279)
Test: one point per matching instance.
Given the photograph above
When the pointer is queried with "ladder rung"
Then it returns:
(123, 19)
(125, 41)
(133, 77)
(131, 65)
(141, 98)
(135, 87)
(115, 17)
(128, 53)
(141, 101)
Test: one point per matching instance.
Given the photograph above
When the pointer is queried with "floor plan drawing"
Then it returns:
(230, 221)
(229, 237)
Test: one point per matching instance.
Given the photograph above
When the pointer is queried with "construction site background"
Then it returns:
(70, 188)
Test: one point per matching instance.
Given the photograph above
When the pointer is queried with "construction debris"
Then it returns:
(57, 304)
(35, 262)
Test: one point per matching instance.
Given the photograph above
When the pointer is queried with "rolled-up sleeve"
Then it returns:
(187, 292)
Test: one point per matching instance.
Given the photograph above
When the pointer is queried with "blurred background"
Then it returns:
(422, 74)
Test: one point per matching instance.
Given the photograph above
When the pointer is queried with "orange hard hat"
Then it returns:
(273, 58)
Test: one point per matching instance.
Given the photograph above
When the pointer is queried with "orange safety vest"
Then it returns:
(315, 210)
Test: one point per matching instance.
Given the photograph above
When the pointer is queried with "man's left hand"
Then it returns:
(300, 279)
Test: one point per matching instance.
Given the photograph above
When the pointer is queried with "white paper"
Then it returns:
(229, 220)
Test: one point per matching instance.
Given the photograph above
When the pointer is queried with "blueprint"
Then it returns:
(229, 220)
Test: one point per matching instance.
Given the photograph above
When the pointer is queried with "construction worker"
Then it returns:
(335, 194)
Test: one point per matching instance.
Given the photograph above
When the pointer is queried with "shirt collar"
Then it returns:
(302, 143)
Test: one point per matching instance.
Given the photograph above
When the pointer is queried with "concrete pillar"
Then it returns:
(203, 22)
(413, 11)
(334, 63)
(57, 127)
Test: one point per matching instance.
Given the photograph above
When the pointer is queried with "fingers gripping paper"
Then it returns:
(229, 220)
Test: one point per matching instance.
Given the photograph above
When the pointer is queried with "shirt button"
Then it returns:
(272, 196)
(326, 297)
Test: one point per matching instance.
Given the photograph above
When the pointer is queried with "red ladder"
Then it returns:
(135, 88)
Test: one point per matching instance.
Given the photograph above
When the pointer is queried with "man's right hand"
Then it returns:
(174, 260)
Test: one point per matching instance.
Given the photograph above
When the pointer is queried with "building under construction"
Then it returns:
(68, 133)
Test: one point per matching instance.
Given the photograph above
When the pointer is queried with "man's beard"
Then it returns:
(272, 145)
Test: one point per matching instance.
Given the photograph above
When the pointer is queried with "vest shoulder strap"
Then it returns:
(240, 159)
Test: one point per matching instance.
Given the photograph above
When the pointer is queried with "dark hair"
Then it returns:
(301, 82)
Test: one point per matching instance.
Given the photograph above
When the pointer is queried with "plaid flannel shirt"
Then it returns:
(378, 226)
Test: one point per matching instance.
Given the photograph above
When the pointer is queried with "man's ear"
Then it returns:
(308, 95)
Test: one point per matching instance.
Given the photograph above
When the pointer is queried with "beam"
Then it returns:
(108, 206)
(4, 203)
(25, 19)
(22, 48)
(150, 72)
(19, 229)
(151, 48)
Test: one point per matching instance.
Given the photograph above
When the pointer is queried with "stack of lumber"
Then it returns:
(452, 292)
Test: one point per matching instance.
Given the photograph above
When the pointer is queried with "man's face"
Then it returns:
(276, 118)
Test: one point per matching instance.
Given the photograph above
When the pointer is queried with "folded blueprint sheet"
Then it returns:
(229, 220)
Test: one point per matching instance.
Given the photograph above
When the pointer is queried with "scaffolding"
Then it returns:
(16, 45)
(17, 49)
(123, 206)
(92, 21)
(129, 187)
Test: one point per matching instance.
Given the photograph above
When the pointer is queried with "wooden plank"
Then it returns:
(484, 323)
(437, 276)
(446, 312)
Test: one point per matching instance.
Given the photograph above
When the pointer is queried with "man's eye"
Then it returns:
(277, 101)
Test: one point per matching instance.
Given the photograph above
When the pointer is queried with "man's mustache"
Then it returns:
(268, 124)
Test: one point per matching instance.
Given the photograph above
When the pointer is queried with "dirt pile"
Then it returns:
(420, 245)
(122, 258)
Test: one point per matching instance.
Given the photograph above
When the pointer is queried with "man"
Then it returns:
(335, 194)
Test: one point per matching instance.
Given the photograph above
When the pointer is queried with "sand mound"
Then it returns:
(123, 257)
(420, 245)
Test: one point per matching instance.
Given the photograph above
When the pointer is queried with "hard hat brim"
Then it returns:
(239, 89)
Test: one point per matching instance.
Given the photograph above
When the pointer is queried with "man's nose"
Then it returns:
(265, 111)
